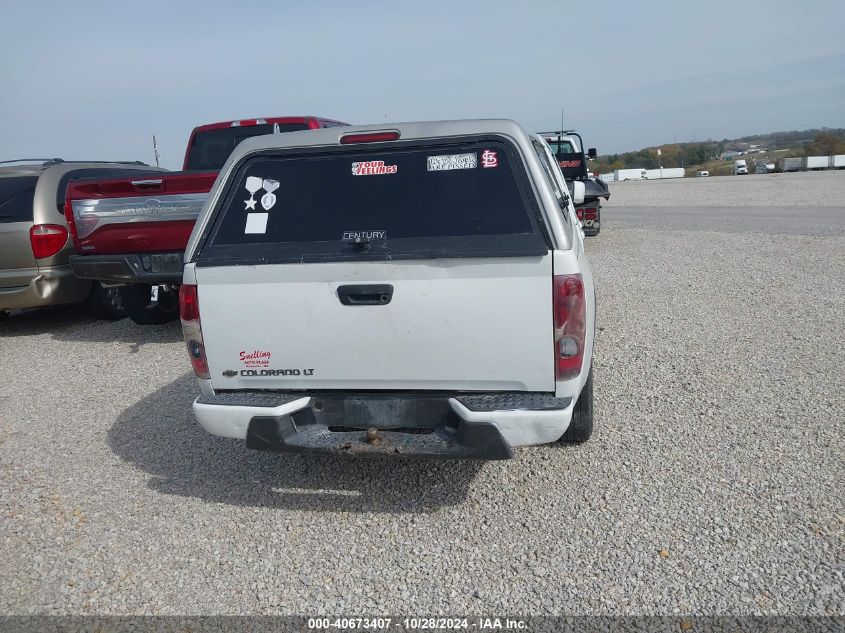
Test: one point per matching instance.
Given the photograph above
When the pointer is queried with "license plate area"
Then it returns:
(406, 413)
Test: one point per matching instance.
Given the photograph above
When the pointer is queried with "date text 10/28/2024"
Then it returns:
(417, 624)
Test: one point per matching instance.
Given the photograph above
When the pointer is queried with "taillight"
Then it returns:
(369, 137)
(47, 239)
(87, 226)
(587, 213)
(189, 312)
(570, 321)
(84, 225)
(68, 213)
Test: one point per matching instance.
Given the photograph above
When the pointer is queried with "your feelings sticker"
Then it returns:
(373, 168)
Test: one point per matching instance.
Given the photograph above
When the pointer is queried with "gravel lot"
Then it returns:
(801, 190)
(713, 484)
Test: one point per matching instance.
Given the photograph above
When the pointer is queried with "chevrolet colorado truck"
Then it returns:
(132, 231)
(403, 289)
(568, 148)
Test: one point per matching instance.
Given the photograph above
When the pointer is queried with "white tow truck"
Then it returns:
(568, 149)
(404, 289)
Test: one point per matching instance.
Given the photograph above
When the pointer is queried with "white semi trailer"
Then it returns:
(818, 162)
(666, 172)
(629, 174)
(789, 164)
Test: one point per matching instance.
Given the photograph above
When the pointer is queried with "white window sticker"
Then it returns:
(452, 161)
(256, 223)
(269, 198)
(489, 158)
(373, 168)
(254, 184)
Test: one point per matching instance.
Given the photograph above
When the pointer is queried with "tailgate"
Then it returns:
(393, 267)
(147, 214)
(463, 324)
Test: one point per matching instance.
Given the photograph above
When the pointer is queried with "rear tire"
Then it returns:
(581, 427)
(136, 301)
(105, 304)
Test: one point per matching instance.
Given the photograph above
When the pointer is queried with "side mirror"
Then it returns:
(578, 192)
(592, 153)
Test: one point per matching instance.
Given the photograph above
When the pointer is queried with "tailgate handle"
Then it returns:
(365, 295)
(150, 183)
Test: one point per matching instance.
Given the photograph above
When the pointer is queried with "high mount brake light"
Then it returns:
(570, 325)
(189, 312)
(247, 122)
(47, 239)
(369, 137)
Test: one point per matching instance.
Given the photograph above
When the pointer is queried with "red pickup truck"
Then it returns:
(132, 232)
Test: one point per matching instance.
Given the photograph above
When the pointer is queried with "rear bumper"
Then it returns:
(478, 426)
(56, 285)
(130, 268)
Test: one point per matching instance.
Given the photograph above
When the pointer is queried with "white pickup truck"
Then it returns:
(404, 289)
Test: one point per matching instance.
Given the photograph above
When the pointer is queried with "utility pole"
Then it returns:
(561, 122)
(660, 163)
(155, 149)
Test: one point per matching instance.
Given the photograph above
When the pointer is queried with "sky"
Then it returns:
(94, 80)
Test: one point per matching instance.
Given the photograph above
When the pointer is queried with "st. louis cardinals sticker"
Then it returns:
(489, 158)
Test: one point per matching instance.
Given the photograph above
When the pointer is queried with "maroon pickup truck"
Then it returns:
(132, 232)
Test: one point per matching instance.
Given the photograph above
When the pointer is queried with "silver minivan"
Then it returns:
(34, 239)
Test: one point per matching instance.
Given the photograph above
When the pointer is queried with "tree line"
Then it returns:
(674, 155)
(815, 142)
(825, 144)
